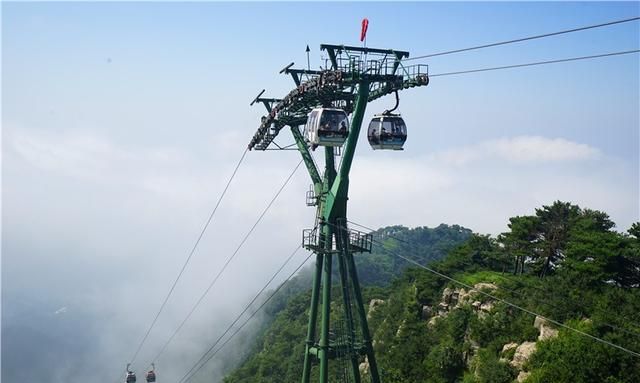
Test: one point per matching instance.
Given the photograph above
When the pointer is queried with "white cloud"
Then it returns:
(541, 149)
(478, 185)
(146, 206)
(522, 149)
(61, 310)
(91, 157)
(165, 172)
(482, 185)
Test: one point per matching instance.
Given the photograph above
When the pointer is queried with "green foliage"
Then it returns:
(424, 244)
(564, 262)
(575, 358)
(478, 253)
(563, 238)
(487, 276)
(278, 357)
(489, 369)
(502, 327)
(634, 231)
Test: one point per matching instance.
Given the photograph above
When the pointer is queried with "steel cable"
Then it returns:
(451, 279)
(523, 39)
(186, 262)
(204, 359)
(227, 262)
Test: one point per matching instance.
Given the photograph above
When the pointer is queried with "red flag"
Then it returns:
(365, 26)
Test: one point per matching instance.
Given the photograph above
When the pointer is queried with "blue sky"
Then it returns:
(225, 53)
(122, 121)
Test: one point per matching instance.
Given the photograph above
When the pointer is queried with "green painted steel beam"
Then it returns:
(323, 353)
(368, 344)
(347, 48)
(313, 316)
(308, 160)
(303, 71)
(337, 197)
(355, 370)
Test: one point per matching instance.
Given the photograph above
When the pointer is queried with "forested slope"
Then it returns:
(565, 263)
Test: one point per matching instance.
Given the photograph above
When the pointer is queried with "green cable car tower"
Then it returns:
(340, 349)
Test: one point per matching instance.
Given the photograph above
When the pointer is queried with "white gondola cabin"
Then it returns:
(131, 377)
(151, 374)
(387, 131)
(327, 127)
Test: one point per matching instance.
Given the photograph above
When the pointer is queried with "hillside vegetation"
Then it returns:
(565, 263)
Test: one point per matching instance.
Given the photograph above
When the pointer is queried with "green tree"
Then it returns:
(574, 358)
(477, 253)
(489, 369)
(520, 241)
(628, 263)
(555, 222)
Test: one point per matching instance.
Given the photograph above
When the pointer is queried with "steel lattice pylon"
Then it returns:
(355, 77)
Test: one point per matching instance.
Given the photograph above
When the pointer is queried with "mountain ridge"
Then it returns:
(563, 262)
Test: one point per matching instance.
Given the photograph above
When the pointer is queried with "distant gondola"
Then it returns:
(327, 127)
(387, 131)
(151, 375)
(131, 376)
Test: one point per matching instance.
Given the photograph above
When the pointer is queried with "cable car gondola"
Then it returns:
(387, 131)
(151, 375)
(327, 127)
(131, 376)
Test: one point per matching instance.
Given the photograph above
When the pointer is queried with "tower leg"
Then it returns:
(313, 315)
(349, 317)
(373, 366)
(326, 311)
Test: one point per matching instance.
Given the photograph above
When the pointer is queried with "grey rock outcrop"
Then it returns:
(364, 367)
(427, 311)
(506, 349)
(545, 329)
(523, 353)
(522, 376)
(373, 304)
(485, 286)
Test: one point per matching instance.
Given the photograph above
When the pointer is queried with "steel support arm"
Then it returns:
(340, 186)
(306, 156)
